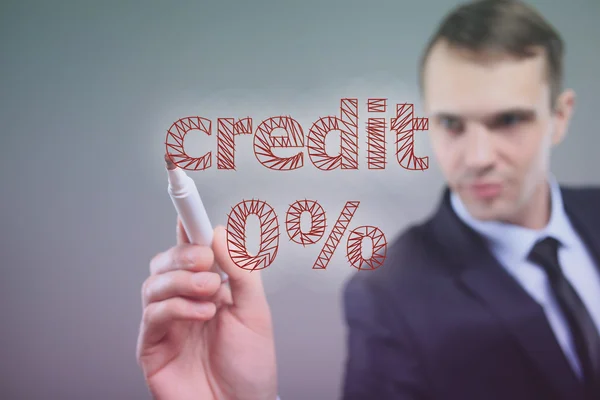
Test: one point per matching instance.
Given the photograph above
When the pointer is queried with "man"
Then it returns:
(496, 296)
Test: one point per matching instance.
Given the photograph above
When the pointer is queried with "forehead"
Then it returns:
(462, 82)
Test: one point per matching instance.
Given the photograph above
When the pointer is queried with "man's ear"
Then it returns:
(565, 105)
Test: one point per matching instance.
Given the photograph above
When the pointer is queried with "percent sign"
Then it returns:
(269, 235)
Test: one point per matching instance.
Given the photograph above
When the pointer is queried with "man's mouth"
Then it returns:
(485, 190)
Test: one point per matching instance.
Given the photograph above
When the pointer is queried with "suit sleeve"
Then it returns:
(381, 360)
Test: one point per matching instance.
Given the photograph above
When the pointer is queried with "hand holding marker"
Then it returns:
(190, 317)
(191, 211)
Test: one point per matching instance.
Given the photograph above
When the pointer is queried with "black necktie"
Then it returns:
(583, 331)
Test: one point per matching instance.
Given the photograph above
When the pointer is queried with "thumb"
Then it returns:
(247, 290)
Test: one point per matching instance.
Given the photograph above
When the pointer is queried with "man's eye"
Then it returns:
(451, 124)
(508, 120)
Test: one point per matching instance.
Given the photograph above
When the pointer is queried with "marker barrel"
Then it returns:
(191, 211)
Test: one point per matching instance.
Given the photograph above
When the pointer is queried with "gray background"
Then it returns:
(87, 93)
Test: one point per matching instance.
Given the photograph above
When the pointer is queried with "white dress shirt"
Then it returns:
(511, 244)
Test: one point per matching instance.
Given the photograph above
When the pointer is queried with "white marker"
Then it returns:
(191, 211)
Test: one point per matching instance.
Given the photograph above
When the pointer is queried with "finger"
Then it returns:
(222, 297)
(181, 234)
(246, 286)
(184, 256)
(196, 286)
(159, 316)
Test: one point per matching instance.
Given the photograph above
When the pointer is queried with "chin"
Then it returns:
(486, 215)
(489, 210)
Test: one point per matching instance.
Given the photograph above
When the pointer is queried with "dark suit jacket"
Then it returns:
(442, 319)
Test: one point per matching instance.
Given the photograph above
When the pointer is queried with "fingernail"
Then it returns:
(203, 279)
(204, 308)
(199, 279)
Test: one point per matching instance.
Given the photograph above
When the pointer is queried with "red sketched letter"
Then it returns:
(236, 234)
(376, 144)
(405, 124)
(264, 142)
(175, 138)
(348, 127)
(227, 129)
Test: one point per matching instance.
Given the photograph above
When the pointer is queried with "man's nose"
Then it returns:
(479, 152)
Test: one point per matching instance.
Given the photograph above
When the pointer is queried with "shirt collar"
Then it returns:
(516, 239)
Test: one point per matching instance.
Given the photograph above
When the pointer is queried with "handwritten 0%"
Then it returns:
(269, 235)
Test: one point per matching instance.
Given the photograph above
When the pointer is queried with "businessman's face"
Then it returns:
(492, 127)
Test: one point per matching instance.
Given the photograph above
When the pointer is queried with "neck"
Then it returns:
(535, 214)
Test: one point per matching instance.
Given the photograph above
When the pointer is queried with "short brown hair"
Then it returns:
(502, 26)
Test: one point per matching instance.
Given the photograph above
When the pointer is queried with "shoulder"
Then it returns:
(580, 192)
(582, 197)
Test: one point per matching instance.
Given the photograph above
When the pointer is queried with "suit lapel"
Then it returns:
(585, 219)
(479, 273)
